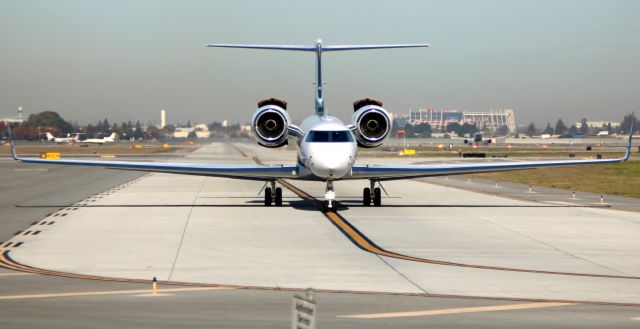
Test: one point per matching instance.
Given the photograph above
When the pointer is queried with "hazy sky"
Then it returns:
(126, 60)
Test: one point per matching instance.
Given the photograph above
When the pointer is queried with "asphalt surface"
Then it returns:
(37, 301)
(30, 192)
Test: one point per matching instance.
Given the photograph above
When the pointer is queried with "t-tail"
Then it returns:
(318, 48)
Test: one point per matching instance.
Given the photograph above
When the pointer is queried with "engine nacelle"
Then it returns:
(372, 122)
(270, 123)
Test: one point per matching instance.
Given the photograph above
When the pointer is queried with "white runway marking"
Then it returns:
(454, 311)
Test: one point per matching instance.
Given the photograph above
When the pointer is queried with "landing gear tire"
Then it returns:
(377, 197)
(267, 197)
(278, 200)
(329, 206)
(366, 197)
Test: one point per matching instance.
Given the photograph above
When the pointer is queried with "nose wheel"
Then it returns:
(273, 195)
(329, 203)
(370, 194)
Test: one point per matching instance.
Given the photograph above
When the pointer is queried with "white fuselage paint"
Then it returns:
(325, 160)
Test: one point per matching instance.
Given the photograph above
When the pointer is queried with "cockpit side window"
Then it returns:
(319, 136)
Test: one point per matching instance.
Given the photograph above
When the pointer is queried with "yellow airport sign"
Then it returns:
(137, 146)
(50, 155)
(409, 152)
(165, 146)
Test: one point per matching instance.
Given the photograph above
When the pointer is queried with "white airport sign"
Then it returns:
(303, 315)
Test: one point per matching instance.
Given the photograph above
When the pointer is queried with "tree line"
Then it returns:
(583, 128)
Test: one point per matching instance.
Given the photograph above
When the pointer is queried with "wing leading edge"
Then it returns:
(240, 171)
(395, 172)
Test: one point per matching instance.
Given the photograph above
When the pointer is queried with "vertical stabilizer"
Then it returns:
(318, 48)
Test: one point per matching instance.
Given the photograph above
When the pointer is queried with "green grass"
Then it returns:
(618, 179)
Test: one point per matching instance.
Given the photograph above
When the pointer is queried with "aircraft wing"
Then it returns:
(239, 171)
(394, 172)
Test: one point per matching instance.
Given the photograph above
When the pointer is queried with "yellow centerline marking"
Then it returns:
(455, 311)
(16, 274)
(108, 292)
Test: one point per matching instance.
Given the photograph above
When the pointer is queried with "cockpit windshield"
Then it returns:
(319, 136)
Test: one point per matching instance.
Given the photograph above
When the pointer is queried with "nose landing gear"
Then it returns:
(372, 193)
(329, 203)
(273, 195)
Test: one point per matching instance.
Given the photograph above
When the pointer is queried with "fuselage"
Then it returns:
(327, 149)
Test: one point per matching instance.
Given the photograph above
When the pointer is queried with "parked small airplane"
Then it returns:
(109, 139)
(327, 148)
(61, 140)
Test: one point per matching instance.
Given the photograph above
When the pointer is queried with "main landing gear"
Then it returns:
(273, 195)
(372, 193)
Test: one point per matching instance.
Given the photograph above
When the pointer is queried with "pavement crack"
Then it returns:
(402, 275)
(184, 231)
(545, 244)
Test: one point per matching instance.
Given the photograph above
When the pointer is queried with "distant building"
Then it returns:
(439, 119)
(182, 132)
(15, 119)
(599, 124)
(163, 119)
(200, 130)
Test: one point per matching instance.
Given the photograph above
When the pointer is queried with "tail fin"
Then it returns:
(49, 136)
(318, 48)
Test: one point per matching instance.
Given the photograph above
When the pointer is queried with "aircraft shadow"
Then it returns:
(305, 205)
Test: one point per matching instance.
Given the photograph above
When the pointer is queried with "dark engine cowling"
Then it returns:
(270, 123)
(372, 122)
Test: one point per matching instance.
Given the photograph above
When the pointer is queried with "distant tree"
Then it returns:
(189, 124)
(531, 130)
(49, 119)
(573, 129)
(626, 123)
(138, 133)
(468, 129)
(454, 127)
(561, 128)
(170, 128)
(106, 125)
(422, 130)
(609, 128)
(502, 131)
(153, 132)
(584, 127)
(395, 126)
(548, 130)
(90, 131)
(217, 126)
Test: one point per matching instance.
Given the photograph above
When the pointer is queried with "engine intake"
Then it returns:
(270, 123)
(372, 122)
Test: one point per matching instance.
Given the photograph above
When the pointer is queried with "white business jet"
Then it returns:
(61, 140)
(327, 147)
(109, 139)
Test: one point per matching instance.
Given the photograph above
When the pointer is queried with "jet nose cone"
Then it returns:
(326, 166)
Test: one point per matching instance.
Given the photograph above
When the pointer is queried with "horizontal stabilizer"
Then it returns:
(316, 47)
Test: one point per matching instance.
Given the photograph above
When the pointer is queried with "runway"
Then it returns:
(426, 241)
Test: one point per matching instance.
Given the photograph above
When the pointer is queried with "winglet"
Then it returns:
(627, 154)
(12, 143)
